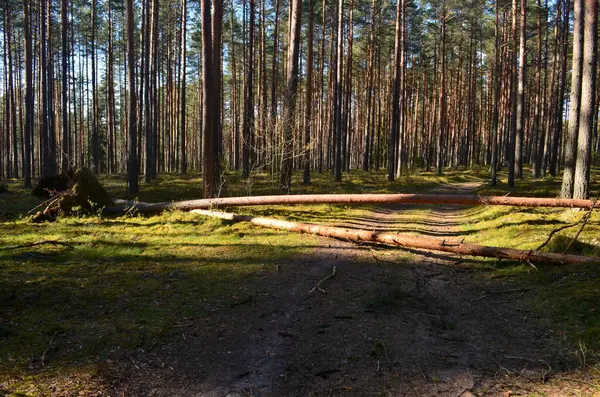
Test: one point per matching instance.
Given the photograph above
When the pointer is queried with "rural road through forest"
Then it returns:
(432, 325)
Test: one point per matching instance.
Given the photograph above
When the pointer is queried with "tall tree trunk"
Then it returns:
(249, 98)
(29, 103)
(588, 82)
(216, 25)
(570, 156)
(497, 88)
(274, 75)
(521, 94)
(182, 126)
(235, 140)
(65, 84)
(309, 93)
(347, 100)
(110, 101)
(11, 95)
(95, 132)
(370, 103)
(338, 93)
(395, 95)
(558, 125)
(443, 100)
(6, 133)
(401, 132)
(208, 112)
(132, 169)
(290, 93)
(154, 92)
(512, 135)
(537, 135)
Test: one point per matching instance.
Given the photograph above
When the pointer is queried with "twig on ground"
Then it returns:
(421, 371)
(553, 232)
(29, 245)
(584, 222)
(46, 203)
(183, 325)
(583, 219)
(509, 291)
(318, 286)
(319, 348)
(579, 381)
(495, 311)
(48, 348)
(383, 261)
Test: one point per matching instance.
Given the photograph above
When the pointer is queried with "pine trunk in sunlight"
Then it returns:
(289, 110)
(575, 103)
(132, 169)
(581, 187)
(208, 108)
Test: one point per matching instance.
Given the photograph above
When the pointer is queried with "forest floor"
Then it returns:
(183, 306)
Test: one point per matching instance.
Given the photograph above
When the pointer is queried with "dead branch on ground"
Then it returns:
(318, 286)
(29, 245)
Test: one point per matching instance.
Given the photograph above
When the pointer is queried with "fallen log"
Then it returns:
(188, 205)
(406, 241)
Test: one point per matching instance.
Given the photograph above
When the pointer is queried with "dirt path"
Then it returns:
(424, 327)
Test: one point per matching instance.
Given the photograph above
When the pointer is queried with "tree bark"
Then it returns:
(497, 88)
(95, 132)
(338, 93)
(558, 126)
(537, 135)
(290, 94)
(248, 129)
(395, 125)
(521, 93)
(132, 169)
(29, 100)
(216, 26)
(443, 100)
(512, 135)
(586, 116)
(308, 126)
(65, 84)
(182, 125)
(576, 75)
(208, 112)
(367, 146)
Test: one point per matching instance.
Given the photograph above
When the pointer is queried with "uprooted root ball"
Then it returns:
(84, 194)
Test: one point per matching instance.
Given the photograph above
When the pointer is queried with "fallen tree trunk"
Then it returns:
(151, 208)
(420, 242)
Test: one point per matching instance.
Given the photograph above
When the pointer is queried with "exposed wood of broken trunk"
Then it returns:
(418, 242)
(149, 208)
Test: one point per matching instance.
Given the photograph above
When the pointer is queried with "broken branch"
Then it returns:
(29, 245)
(318, 286)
